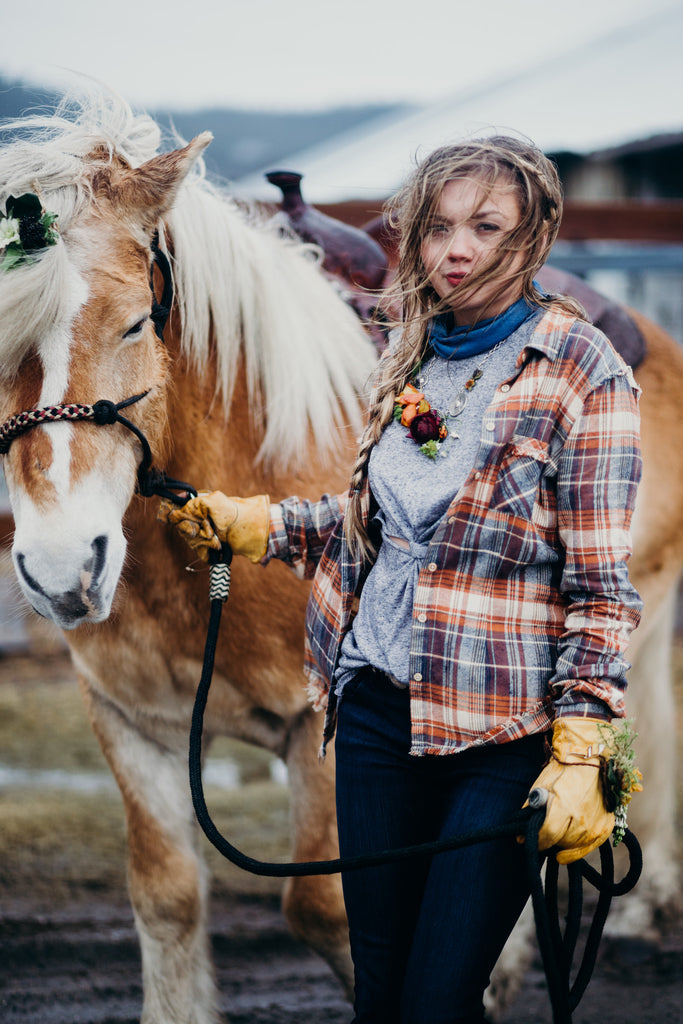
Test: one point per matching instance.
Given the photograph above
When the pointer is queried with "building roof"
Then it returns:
(620, 88)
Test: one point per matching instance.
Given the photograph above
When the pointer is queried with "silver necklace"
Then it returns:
(459, 400)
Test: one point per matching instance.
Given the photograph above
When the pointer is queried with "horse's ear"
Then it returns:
(150, 190)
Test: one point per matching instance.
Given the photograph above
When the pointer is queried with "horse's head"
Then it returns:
(76, 327)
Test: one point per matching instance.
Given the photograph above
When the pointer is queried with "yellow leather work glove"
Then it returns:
(576, 818)
(241, 522)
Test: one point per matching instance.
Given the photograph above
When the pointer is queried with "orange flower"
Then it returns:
(414, 404)
(410, 396)
(408, 415)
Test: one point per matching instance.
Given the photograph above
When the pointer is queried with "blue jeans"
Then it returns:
(426, 933)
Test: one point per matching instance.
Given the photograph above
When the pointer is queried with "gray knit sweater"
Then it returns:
(413, 494)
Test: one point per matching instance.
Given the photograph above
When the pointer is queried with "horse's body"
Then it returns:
(257, 331)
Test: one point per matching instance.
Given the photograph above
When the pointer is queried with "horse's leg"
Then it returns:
(314, 906)
(508, 974)
(166, 875)
(652, 814)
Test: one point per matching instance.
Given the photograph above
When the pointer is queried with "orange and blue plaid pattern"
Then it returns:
(523, 608)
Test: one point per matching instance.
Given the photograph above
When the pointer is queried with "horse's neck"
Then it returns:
(213, 451)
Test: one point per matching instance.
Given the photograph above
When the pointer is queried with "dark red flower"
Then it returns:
(425, 427)
(32, 234)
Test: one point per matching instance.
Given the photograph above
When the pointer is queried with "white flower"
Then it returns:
(9, 231)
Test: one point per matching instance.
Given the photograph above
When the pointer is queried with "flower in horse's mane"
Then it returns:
(426, 426)
(9, 231)
(25, 228)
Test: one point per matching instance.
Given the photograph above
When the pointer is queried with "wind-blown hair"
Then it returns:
(489, 162)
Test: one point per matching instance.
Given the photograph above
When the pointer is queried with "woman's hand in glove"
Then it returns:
(211, 518)
(576, 819)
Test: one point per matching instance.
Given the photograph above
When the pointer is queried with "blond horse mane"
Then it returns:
(240, 285)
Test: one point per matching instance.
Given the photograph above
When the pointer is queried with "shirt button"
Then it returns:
(432, 567)
(417, 677)
(504, 387)
(422, 617)
(451, 520)
(490, 425)
(477, 475)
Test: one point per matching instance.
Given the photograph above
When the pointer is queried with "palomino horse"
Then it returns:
(258, 388)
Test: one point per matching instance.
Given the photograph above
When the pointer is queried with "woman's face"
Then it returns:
(469, 225)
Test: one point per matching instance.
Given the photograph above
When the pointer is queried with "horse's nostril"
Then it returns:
(99, 550)
(32, 583)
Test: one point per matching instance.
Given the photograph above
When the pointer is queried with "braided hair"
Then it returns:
(489, 162)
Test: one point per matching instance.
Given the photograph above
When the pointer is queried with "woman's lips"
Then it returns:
(454, 279)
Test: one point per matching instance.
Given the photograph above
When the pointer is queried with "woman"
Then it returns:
(471, 592)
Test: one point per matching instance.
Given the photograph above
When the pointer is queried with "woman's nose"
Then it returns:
(459, 246)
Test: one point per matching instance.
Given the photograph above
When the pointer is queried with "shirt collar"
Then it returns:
(549, 334)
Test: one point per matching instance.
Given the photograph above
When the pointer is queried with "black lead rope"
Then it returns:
(557, 947)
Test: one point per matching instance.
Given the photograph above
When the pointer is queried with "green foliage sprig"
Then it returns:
(620, 776)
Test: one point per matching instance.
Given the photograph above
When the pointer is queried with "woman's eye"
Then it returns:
(137, 328)
(486, 228)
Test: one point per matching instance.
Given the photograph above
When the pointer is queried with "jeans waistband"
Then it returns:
(380, 674)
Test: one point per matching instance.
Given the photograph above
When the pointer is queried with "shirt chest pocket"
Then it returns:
(524, 462)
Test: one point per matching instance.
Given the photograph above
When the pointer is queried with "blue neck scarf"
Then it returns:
(458, 342)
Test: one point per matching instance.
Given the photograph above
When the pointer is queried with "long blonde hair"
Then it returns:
(489, 162)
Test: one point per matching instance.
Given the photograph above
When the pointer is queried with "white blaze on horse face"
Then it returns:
(69, 548)
(54, 351)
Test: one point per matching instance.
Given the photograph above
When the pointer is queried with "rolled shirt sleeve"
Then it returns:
(299, 530)
(598, 473)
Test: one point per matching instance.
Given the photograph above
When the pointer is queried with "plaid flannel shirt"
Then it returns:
(523, 608)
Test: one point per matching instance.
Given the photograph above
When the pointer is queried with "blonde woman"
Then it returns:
(470, 595)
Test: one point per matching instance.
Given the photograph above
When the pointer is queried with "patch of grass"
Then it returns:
(57, 845)
(255, 819)
(43, 724)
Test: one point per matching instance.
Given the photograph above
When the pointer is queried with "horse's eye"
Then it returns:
(136, 328)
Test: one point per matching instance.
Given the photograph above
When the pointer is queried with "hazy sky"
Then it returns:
(288, 54)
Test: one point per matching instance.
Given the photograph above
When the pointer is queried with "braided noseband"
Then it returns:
(150, 480)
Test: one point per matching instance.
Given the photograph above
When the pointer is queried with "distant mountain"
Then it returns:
(244, 140)
(17, 98)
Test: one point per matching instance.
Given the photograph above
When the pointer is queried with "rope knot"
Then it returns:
(105, 412)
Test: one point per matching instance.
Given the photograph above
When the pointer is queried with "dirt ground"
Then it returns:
(68, 952)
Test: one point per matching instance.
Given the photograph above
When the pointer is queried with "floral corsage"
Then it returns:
(619, 775)
(425, 425)
(25, 228)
